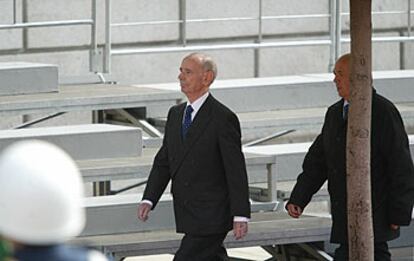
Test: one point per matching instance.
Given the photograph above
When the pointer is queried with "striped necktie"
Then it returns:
(345, 111)
(187, 121)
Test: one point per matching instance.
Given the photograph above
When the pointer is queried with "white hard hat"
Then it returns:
(41, 194)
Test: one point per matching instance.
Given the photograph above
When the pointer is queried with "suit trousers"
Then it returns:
(202, 248)
(381, 252)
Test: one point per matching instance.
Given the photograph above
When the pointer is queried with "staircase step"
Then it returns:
(27, 78)
(83, 142)
(299, 91)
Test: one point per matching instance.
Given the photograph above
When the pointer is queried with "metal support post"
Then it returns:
(108, 41)
(25, 19)
(402, 46)
(332, 22)
(338, 29)
(409, 19)
(100, 188)
(259, 40)
(271, 182)
(14, 11)
(94, 52)
(183, 22)
(334, 32)
(316, 253)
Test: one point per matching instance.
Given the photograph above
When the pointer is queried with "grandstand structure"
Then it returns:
(97, 78)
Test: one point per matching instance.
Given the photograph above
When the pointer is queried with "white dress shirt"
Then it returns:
(197, 105)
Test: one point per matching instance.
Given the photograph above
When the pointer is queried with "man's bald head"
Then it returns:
(205, 61)
(342, 78)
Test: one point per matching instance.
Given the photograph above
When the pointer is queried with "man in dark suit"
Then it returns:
(392, 171)
(201, 154)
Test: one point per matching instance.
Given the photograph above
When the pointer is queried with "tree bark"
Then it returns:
(360, 228)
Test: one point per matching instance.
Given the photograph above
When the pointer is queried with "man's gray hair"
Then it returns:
(206, 61)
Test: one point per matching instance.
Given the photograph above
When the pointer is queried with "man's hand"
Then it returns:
(294, 210)
(239, 229)
(143, 211)
(394, 227)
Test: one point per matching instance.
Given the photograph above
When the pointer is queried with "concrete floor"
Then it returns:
(258, 254)
(249, 253)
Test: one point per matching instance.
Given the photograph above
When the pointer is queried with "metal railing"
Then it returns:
(24, 24)
(100, 60)
(334, 41)
(184, 47)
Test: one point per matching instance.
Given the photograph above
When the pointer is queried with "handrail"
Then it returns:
(183, 21)
(275, 17)
(46, 24)
(386, 39)
(380, 12)
(57, 23)
(162, 22)
(334, 41)
(223, 19)
(194, 48)
(334, 38)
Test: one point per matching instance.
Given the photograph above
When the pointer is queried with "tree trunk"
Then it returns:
(360, 228)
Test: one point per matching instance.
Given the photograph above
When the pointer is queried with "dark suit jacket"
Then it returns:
(207, 169)
(392, 171)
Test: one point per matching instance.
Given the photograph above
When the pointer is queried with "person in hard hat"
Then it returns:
(41, 195)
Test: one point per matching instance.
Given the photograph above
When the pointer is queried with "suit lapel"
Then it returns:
(340, 114)
(178, 124)
(196, 129)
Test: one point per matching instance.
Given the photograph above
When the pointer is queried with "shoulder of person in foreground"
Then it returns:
(94, 255)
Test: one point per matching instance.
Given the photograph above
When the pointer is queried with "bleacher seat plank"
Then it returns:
(264, 229)
(91, 97)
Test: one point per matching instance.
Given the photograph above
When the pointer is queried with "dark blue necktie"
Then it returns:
(187, 121)
(345, 112)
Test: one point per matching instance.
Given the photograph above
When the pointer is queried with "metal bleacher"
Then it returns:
(112, 222)
(273, 104)
(271, 229)
(111, 219)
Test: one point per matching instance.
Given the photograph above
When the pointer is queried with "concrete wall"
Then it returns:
(156, 68)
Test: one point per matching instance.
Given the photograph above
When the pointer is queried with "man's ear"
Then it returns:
(208, 77)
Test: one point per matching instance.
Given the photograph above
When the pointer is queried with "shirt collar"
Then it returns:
(198, 103)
